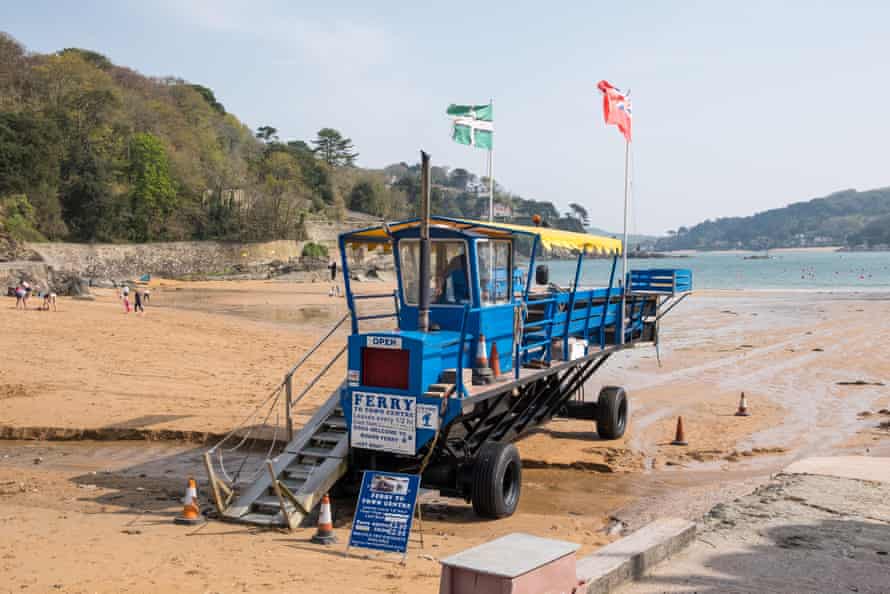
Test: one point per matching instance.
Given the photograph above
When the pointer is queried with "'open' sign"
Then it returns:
(385, 342)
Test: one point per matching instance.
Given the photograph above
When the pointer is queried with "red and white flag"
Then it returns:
(616, 108)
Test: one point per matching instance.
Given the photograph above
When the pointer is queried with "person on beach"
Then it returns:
(125, 297)
(335, 287)
(137, 301)
(146, 295)
(49, 300)
(28, 290)
(20, 297)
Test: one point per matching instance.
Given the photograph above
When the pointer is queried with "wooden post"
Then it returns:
(217, 500)
(281, 500)
(288, 390)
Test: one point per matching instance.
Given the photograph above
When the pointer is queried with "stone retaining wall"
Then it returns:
(169, 259)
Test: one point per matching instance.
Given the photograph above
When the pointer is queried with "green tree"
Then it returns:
(210, 98)
(152, 190)
(460, 178)
(580, 213)
(95, 58)
(335, 150)
(267, 133)
(18, 218)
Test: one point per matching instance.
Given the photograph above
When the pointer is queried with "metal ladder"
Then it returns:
(313, 460)
(293, 482)
(300, 475)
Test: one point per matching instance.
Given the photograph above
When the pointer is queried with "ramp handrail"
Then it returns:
(289, 376)
(315, 347)
(290, 402)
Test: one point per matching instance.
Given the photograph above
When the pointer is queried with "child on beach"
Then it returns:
(137, 301)
(49, 299)
(20, 297)
(125, 296)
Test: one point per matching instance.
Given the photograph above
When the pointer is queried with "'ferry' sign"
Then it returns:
(383, 422)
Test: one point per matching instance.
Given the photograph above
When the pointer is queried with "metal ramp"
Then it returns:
(289, 485)
(286, 487)
(300, 475)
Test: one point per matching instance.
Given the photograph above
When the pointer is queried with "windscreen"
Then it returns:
(449, 277)
(495, 271)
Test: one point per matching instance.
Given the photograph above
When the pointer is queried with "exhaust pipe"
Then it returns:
(423, 310)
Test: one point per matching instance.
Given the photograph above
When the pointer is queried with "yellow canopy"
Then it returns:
(549, 237)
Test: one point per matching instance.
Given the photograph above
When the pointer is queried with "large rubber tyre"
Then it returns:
(611, 412)
(497, 480)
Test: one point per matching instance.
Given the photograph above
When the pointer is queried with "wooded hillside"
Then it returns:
(93, 151)
(857, 219)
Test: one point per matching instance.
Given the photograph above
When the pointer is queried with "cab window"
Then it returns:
(495, 271)
(449, 273)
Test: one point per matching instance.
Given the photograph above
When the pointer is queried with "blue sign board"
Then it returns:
(385, 511)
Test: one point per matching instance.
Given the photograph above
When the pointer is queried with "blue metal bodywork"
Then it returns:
(542, 319)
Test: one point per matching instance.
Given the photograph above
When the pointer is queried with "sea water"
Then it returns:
(803, 270)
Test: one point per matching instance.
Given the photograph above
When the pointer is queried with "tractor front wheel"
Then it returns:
(497, 480)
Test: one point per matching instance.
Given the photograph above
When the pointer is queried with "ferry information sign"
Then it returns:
(385, 511)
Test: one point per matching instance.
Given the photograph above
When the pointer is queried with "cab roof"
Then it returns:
(549, 237)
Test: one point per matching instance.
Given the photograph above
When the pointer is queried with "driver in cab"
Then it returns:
(452, 283)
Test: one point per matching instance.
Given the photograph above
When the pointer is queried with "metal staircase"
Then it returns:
(300, 475)
(289, 485)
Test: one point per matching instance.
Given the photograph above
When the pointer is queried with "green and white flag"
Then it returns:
(473, 125)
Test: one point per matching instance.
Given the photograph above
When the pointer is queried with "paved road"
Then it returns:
(813, 532)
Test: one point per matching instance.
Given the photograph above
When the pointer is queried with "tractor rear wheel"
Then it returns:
(611, 412)
(497, 480)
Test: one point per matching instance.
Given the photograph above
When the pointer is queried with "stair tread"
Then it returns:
(261, 519)
(329, 436)
(301, 467)
(316, 452)
(440, 387)
(271, 501)
(294, 486)
(338, 422)
(295, 475)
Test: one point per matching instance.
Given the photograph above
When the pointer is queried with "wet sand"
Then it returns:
(206, 353)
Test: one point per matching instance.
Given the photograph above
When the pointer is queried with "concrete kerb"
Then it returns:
(632, 556)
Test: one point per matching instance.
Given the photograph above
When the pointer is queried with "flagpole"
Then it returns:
(624, 246)
(491, 171)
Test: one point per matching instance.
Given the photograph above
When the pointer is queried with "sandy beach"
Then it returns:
(812, 366)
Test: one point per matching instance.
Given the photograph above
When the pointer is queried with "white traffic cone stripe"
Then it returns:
(324, 517)
(481, 352)
(190, 495)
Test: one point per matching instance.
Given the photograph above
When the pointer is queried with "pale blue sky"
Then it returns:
(739, 106)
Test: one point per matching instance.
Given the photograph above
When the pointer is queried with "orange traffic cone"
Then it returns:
(191, 512)
(481, 353)
(325, 533)
(495, 360)
(743, 407)
(482, 373)
(680, 437)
